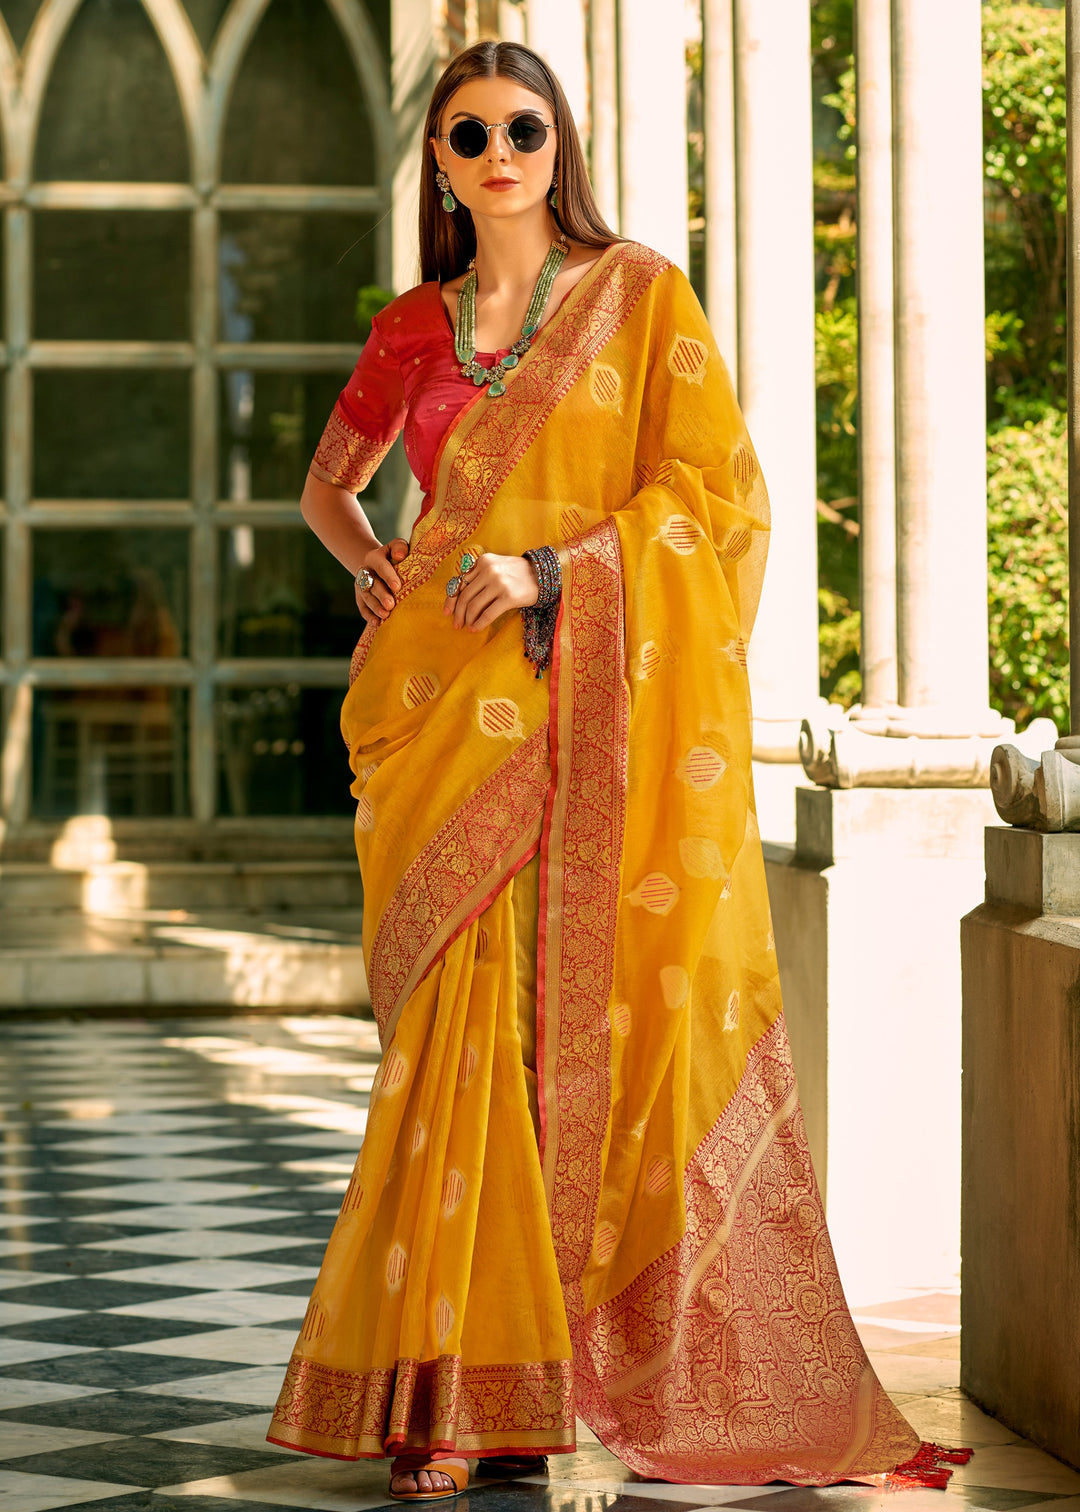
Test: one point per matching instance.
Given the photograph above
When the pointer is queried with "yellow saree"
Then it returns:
(585, 1185)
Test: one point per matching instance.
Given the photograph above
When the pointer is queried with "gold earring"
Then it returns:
(449, 203)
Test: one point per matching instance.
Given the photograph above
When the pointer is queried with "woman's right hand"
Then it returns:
(377, 601)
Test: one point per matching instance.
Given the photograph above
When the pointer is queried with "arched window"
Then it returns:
(197, 206)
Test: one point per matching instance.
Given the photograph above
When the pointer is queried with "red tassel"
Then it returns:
(926, 1468)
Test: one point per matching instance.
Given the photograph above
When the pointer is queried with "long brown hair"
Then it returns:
(448, 241)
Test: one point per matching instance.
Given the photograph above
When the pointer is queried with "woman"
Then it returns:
(585, 1184)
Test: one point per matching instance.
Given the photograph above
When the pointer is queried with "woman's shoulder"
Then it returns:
(418, 310)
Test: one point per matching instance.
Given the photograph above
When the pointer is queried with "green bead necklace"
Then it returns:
(465, 324)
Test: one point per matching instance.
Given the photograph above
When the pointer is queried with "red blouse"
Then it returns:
(408, 377)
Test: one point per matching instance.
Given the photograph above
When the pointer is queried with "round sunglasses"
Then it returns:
(525, 133)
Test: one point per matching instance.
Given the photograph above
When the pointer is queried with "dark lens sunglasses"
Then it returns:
(525, 133)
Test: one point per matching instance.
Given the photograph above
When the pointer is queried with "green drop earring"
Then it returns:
(553, 198)
(449, 203)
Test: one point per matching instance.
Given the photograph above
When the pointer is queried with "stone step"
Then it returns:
(228, 959)
(121, 885)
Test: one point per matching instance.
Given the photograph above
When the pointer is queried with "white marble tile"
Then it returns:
(21, 1220)
(316, 1139)
(922, 1373)
(43, 1493)
(22, 1393)
(254, 1346)
(164, 1167)
(148, 1122)
(257, 1385)
(954, 1420)
(9, 1279)
(185, 1215)
(17, 1439)
(318, 1485)
(233, 1308)
(1018, 1467)
(23, 1247)
(21, 1351)
(213, 1275)
(200, 1243)
(168, 1192)
(149, 1145)
(231, 1433)
(26, 1312)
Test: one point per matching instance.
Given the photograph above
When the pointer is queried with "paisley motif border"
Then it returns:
(437, 1404)
(489, 837)
(694, 1372)
(581, 852)
(490, 437)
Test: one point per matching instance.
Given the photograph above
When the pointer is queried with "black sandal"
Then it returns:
(511, 1466)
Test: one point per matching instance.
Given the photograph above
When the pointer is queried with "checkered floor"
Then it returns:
(169, 1189)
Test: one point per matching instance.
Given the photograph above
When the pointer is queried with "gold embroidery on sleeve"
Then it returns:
(345, 457)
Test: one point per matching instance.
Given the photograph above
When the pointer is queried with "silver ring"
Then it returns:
(453, 587)
(364, 580)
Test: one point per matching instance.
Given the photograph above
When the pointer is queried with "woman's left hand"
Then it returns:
(494, 585)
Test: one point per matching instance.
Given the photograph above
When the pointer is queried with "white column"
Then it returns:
(511, 21)
(774, 175)
(874, 281)
(412, 74)
(940, 371)
(604, 107)
(652, 128)
(556, 30)
(721, 295)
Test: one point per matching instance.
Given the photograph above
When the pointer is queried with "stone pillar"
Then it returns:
(721, 287)
(774, 181)
(940, 371)
(556, 30)
(652, 129)
(604, 107)
(1021, 1117)
(874, 283)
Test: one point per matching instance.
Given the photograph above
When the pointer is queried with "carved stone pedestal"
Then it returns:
(1021, 1139)
(867, 910)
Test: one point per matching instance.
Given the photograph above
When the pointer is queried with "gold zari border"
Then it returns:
(437, 1404)
(345, 457)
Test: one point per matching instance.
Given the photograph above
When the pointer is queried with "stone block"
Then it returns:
(73, 981)
(1021, 1140)
(1040, 873)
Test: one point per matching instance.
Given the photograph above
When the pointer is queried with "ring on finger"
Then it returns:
(364, 580)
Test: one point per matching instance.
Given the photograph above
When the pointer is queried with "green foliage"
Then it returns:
(1024, 136)
(369, 301)
(1027, 475)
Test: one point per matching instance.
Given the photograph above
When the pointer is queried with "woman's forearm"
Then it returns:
(336, 517)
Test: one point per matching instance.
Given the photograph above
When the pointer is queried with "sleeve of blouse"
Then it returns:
(366, 419)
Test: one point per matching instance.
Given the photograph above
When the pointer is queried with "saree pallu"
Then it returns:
(585, 1185)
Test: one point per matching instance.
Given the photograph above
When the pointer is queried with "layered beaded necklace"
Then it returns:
(465, 324)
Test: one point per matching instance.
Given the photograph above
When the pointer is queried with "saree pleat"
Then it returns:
(585, 1185)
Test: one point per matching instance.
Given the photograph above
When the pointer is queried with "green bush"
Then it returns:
(1027, 476)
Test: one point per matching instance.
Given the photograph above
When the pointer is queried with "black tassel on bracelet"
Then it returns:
(539, 619)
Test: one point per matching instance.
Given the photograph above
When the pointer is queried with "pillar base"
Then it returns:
(1021, 1169)
(866, 913)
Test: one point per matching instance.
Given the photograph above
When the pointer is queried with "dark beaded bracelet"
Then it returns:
(539, 619)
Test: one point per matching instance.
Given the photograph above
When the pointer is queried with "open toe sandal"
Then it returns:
(459, 1474)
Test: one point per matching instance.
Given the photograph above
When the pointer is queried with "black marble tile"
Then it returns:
(61, 1208)
(92, 1292)
(145, 1461)
(102, 1330)
(126, 1412)
(302, 1198)
(73, 1260)
(299, 1254)
(154, 1501)
(294, 1288)
(116, 1369)
(54, 1181)
(301, 1227)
